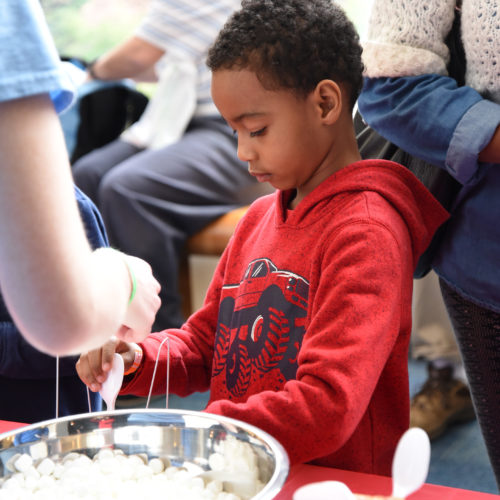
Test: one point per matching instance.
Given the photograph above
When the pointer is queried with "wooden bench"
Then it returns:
(210, 241)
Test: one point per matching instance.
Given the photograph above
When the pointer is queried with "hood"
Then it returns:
(422, 213)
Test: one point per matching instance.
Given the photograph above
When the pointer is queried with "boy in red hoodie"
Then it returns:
(305, 327)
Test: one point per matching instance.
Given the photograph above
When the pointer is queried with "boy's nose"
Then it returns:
(245, 152)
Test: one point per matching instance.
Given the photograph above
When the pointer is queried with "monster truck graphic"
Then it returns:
(260, 327)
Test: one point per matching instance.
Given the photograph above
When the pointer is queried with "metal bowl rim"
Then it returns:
(272, 487)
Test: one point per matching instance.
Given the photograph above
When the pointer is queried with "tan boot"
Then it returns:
(442, 401)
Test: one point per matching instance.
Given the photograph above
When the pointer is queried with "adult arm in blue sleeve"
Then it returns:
(432, 118)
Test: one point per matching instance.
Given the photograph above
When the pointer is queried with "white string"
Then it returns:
(166, 339)
(57, 390)
(88, 399)
(57, 386)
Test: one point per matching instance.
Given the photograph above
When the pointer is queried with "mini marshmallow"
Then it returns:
(113, 474)
(23, 463)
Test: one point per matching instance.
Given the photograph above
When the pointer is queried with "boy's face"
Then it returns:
(280, 135)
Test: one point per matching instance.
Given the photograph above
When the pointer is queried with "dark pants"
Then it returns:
(153, 200)
(478, 334)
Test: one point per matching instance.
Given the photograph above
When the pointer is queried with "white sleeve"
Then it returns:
(408, 38)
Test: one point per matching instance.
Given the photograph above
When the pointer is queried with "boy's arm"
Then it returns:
(356, 319)
(191, 349)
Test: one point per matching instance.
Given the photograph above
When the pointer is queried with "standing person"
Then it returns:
(409, 99)
(176, 170)
(63, 296)
(305, 327)
(444, 399)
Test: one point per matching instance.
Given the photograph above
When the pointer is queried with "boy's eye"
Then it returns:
(258, 132)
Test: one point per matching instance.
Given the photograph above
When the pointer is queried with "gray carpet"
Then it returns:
(458, 458)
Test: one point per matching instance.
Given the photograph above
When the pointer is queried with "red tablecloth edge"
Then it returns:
(370, 485)
(6, 426)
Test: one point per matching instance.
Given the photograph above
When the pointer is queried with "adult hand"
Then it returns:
(142, 309)
(93, 367)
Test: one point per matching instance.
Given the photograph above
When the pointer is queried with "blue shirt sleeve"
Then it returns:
(472, 134)
(430, 117)
(29, 62)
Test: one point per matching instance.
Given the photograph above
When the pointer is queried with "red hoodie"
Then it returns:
(305, 328)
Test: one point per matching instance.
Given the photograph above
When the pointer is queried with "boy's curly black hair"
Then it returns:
(291, 44)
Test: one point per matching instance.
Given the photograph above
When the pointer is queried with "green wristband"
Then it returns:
(133, 279)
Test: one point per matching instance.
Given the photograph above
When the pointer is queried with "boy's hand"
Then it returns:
(93, 367)
(142, 309)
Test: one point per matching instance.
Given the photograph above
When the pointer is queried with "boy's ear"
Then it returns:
(328, 98)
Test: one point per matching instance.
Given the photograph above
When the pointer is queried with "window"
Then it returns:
(87, 28)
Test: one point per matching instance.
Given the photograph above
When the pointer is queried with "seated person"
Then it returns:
(306, 324)
(176, 170)
(28, 376)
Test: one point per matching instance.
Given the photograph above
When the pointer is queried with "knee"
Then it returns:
(85, 177)
(117, 190)
(88, 173)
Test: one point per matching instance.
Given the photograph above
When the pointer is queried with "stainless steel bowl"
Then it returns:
(186, 438)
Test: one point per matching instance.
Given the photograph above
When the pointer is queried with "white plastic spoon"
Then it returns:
(324, 490)
(411, 462)
(111, 387)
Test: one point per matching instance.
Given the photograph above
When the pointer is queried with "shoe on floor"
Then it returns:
(442, 401)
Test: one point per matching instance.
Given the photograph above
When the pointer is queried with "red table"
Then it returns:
(6, 426)
(370, 484)
(357, 482)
